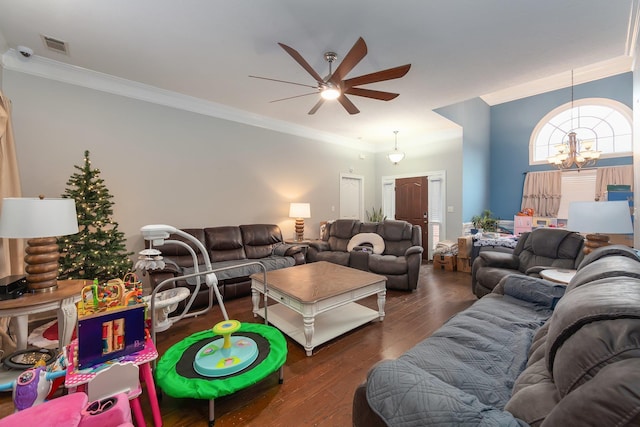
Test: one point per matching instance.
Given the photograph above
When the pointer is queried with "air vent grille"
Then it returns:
(55, 44)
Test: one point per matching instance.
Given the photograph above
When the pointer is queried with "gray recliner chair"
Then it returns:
(538, 250)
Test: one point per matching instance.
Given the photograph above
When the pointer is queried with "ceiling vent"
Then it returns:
(55, 44)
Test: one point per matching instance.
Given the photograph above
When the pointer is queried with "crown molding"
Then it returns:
(54, 70)
(599, 70)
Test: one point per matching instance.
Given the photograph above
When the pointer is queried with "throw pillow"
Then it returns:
(373, 239)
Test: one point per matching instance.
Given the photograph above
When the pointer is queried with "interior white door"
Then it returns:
(351, 196)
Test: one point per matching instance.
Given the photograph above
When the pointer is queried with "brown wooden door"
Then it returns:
(412, 204)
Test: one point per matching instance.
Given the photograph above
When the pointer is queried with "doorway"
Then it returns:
(351, 196)
(411, 204)
(416, 190)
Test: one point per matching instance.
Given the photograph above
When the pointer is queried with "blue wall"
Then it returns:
(473, 115)
(512, 124)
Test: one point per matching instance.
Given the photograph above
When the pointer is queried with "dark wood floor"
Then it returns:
(317, 390)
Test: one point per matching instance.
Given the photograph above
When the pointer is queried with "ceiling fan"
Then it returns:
(334, 86)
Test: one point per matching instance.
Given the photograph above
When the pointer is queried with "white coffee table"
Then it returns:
(316, 301)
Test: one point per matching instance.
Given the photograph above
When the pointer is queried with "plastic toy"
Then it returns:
(226, 355)
(33, 386)
(116, 293)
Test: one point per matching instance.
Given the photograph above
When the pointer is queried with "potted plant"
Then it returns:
(485, 222)
(375, 215)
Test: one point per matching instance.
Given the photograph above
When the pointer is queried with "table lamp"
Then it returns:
(599, 217)
(299, 211)
(40, 220)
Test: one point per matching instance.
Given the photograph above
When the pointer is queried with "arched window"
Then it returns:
(605, 122)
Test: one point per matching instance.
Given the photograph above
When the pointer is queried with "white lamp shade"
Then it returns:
(600, 217)
(300, 210)
(25, 218)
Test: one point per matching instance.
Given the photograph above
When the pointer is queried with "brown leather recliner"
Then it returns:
(540, 249)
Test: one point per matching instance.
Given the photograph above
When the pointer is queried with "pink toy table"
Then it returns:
(79, 378)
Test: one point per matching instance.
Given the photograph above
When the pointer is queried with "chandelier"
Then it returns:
(574, 151)
(395, 156)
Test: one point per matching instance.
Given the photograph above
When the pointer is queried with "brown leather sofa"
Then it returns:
(228, 246)
(537, 250)
(399, 259)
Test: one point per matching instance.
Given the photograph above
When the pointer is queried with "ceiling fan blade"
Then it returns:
(300, 60)
(348, 105)
(378, 76)
(317, 106)
(351, 59)
(374, 94)
(292, 97)
(283, 81)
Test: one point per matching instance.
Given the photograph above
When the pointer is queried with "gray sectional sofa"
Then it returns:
(390, 248)
(530, 353)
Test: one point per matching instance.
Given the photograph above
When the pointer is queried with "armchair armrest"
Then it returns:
(500, 260)
(158, 276)
(286, 249)
(320, 245)
(414, 250)
(531, 289)
(535, 270)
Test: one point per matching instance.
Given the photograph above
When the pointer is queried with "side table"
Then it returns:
(558, 275)
(62, 299)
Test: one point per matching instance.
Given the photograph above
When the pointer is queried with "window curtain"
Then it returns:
(11, 250)
(621, 175)
(541, 192)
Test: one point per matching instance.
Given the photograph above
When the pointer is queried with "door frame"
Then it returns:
(360, 196)
(391, 179)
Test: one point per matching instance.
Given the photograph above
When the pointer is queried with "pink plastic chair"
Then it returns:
(118, 378)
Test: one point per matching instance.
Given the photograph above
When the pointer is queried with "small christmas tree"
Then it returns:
(98, 250)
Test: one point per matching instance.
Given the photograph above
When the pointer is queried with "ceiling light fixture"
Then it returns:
(395, 156)
(330, 92)
(574, 151)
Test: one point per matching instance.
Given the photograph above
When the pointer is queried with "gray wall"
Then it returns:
(165, 165)
(442, 153)
(474, 117)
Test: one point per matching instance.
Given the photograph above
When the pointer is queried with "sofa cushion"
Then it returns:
(374, 239)
(335, 257)
(259, 239)
(387, 264)
(611, 398)
(224, 243)
(397, 236)
(601, 268)
(606, 251)
(581, 323)
(494, 274)
(181, 254)
(463, 372)
(551, 247)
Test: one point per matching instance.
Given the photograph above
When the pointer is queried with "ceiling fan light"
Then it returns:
(330, 93)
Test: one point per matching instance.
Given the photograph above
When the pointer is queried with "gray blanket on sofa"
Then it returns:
(464, 373)
(241, 269)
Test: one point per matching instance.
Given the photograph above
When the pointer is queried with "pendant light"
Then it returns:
(395, 156)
